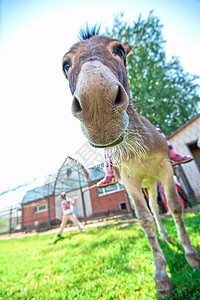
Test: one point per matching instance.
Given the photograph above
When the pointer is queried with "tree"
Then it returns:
(160, 90)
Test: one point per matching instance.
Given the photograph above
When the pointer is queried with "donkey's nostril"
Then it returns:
(121, 99)
(117, 98)
(76, 107)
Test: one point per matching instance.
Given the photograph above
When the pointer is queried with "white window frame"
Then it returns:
(105, 192)
(37, 211)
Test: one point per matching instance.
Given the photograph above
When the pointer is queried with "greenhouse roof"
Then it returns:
(70, 177)
(38, 193)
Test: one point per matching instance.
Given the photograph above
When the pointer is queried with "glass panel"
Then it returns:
(42, 207)
(100, 191)
(111, 188)
(121, 187)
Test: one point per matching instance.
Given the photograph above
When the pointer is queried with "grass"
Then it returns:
(110, 262)
(193, 203)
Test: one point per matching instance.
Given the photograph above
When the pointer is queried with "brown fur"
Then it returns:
(101, 101)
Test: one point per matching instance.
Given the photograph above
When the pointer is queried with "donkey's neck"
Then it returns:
(141, 141)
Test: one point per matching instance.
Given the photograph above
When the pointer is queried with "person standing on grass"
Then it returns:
(68, 213)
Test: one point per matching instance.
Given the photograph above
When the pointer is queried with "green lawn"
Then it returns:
(110, 262)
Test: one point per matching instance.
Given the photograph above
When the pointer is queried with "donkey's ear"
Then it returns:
(128, 49)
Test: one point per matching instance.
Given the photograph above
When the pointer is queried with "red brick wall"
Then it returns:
(107, 202)
(30, 217)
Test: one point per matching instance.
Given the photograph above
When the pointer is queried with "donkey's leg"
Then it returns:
(146, 220)
(176, 210)
(155, 210)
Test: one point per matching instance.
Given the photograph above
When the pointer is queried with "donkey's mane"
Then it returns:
(87, 33)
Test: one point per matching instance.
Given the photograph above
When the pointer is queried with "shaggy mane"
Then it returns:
(87, 33)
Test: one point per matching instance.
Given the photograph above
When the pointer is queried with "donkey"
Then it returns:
(96, 70)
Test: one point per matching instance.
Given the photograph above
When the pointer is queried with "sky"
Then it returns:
(37, 130)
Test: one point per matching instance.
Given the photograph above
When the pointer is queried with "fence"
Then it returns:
(11, 219)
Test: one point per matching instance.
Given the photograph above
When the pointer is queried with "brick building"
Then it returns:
(184, 141)
(41, 206)
(112, 198)
(38, 207)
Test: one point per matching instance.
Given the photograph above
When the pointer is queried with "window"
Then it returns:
(40, 208)
(110, 189)
(122, 205)
(100, 191)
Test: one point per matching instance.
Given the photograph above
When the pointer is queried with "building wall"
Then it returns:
(83, 200)
(106, 202)
(88, 204)
(35, 219)
(189, 134)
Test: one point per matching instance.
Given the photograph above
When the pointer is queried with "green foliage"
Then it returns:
(162, 91)
(110, 262)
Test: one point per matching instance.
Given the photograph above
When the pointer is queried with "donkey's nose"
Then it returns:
(98, 92)
(116, 97)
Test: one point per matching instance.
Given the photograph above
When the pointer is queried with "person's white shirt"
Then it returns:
(67, 206)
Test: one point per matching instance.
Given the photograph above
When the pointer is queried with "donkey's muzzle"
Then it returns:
(100, 102)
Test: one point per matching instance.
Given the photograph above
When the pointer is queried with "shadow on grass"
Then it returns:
(185, 280)
(118, 259)
(105, 240)
(59, 239)
(70, 235)
(118, 222)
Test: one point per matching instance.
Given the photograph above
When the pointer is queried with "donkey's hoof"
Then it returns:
(163, 287)
(193, 260)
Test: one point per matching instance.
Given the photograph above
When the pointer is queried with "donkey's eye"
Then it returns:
(66, 66)
(119, 51)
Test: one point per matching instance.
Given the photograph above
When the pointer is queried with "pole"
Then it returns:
(83, 203)
(48, 205)
(22, 225)
(10, 223)
(82, 196)
(49, 212)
